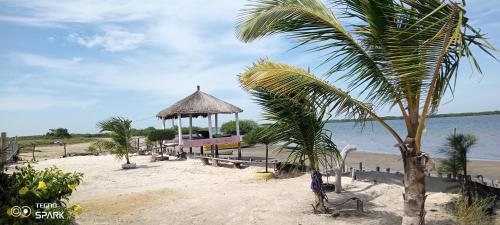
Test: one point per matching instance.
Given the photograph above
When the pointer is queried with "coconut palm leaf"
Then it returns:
(121, 134)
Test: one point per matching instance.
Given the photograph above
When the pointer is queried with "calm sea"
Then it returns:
(374, 138)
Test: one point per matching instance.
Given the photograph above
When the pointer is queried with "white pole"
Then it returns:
(237, 124)
(163, 123)
(216, 123)
(190, 127)
(180, 128)
(209, 126)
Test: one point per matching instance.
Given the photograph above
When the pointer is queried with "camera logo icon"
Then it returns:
(23, 211)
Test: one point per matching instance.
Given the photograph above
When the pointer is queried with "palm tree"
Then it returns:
(301, 124)
(457, 148)
(121, 134)
(398, 53)
(262, 135)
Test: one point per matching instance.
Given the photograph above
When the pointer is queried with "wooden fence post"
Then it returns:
(360, 166)
(3, 149)
(33, 152)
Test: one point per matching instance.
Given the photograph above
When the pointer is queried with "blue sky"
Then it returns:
(73, 63)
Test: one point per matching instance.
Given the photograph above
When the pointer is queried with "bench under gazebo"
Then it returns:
(207, 106)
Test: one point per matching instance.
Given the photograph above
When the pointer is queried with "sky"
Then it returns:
(73, 63)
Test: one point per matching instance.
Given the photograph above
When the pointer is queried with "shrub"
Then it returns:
(27, 187)
(100, 146)
(245, 126)
(58, 133)
(161, 134)
(475, 213)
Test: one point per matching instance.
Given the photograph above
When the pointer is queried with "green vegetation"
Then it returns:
(120, 131)
(245, 127)
(473, 212)
(100, 146)
(401, 54)
(161, 135)
(185, 130)
(262, 135)
(485, 113)
(58, 133)
(27, 187)
(456, 149)
(25, 142)
(298, 121)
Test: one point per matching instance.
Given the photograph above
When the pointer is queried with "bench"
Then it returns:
(215, 161)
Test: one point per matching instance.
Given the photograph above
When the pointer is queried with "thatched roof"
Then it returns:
(198, 104)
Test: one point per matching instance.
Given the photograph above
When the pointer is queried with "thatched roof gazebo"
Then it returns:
(205, 105)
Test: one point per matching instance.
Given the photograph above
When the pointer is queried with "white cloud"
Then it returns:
(43, 61)
(112, 41)
(39, 102)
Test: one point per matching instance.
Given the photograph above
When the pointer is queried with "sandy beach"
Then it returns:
(187, 192)
(489, 169)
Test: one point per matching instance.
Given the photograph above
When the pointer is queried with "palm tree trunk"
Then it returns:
(338, 180)
(126, 155)
(320, 204)
(414, 184)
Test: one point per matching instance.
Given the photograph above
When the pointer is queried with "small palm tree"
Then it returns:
(302, 124)
(121, 134)
(457, 148)
(262, 135)
(398, 53)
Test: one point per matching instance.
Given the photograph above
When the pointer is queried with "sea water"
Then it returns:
(375, 138)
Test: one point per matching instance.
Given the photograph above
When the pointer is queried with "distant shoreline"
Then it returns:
(496, 112)
(432, 156)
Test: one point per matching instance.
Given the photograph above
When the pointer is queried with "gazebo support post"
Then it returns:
(210, 137)
(190, 132)
(180, 130)
(216, 132)
(163, 123)
(238, 134)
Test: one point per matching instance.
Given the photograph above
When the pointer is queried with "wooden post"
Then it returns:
(138, 145)
(3, 148)
(353, 175)
(377, 168)
(238, 134)
(65, 154)
(190, 132)
(388, 170)
(360, 166)
(201, 150)
(33, 152)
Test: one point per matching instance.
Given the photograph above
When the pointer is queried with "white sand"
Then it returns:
(187, 192)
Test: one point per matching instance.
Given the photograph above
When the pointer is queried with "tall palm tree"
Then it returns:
(121, 134)
(398, 53)
(302, 124)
